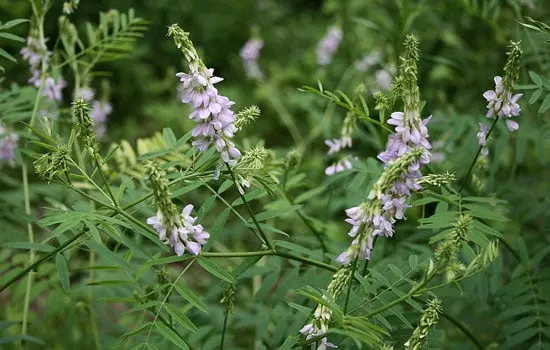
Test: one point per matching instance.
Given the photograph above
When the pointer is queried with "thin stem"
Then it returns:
(307, 261)
(91, 307)
(30, 233)
(102, 174)
(350, 283)
(157, 314)
(261, 234)
(224, 329)
(283, 113)
(274, 253)
(464, 330)
(301, 215)
(46, 257)
(476, 156)
(89, 179)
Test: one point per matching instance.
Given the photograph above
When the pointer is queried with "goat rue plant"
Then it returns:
(189, 236)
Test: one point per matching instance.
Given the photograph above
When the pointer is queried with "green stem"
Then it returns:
(90, 180)
(287, 119)
(350, 283)
(102, 174)
(301, 215)
(465, 181)
(30, 233)
(411, 293)
(261, 234)
(91, 296)
(224, 329)
(271, 252)
(307, 261)
(464, 330)
(43, 259)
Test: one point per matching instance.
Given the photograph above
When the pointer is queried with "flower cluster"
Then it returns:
(429, 319)
(367, 61)
(8, 143)
(482, 139)
(38, 56)
(503, 104)
(215, 121)
(100, 110)
(322, 314)
(408, 134)
(339, 166)
(250, 53)
(329, 45)
(184, 233)
(385, 205)
(336, 145)
(406, 151)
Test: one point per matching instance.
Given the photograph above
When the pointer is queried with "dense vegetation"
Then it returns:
(367, 174)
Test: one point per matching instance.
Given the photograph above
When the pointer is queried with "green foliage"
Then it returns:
(81, 268)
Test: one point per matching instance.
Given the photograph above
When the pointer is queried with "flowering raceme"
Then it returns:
(250, 54)
(336, 145)
(38, 56)
(8, 143)
(503, 104)
(211, 111)
(329, 45)
(184, 235)
(406, 151)
(177, 230)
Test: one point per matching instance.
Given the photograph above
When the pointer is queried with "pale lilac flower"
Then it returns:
(52, 89)
(367, 61)
(329, 45)
(99, 113)
(383, 79)
(250, 54)
(334, 145)
(36, 55)
(386, 208)
(503, 104)
(86, 93)
(211, 112)
(339, 166)
(8, 144)
(482, 139)
(185, 235)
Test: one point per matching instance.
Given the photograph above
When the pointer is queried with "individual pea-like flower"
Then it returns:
(8, 144)
(329, 45)
(184, 235)
(503, 104)
(250, 54)
(482, 139)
